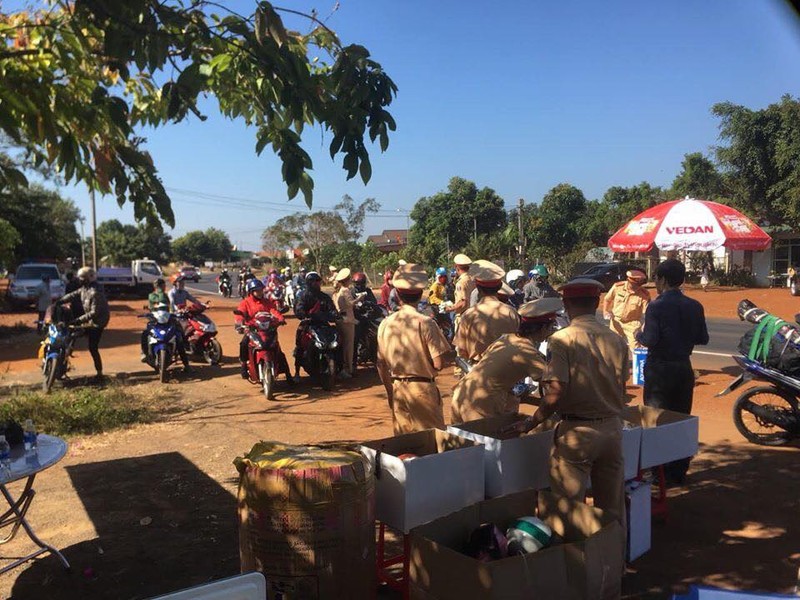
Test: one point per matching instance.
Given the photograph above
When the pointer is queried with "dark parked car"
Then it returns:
(191, 273)
(608, 273)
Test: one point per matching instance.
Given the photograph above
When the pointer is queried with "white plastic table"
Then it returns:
(26, 465)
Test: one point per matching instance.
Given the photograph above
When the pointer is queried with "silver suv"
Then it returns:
(29, 275)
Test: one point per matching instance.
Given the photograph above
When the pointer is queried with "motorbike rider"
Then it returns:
(224, 277)
(253, 303)
(158, 297)
(437, 291)
(360, 286)
(539, 284)
(386, 290)
(179, 296)
(299, 281)
(315, 305)
(95, 313)
(515, 279)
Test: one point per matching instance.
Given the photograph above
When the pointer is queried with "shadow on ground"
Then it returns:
(734, 525)
(190, 538)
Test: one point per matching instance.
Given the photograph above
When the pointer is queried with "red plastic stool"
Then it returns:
(659, 509)
(384, 564)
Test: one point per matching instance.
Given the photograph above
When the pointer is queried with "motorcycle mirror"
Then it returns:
(238, 312)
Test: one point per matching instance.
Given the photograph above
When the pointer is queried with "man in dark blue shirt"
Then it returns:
(673, 325)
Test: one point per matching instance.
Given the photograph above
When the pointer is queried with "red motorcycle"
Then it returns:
(200, 333)
(263, 351)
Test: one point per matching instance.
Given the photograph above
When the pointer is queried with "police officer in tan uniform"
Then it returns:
(482, 324)
(624, 306)
(585, 383)
(464, 285)
(411, 348)
(344, 299)
(486, 390)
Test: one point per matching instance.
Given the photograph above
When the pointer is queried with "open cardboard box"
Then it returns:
(666, 435)
(587, 564)
(517, 462)
(513, 462)
(446, 475)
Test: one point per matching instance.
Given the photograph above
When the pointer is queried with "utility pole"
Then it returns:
(521, 234)
(82, 219)
(448, 244)
(475, 229)
(94, 232)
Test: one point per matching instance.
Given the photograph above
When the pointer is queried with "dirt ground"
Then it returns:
(152, 508)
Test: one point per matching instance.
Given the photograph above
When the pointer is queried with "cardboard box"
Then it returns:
(666, 435)
(513, 462)
(446, 475)
(637, 502)
(588, 564)
(520, 462)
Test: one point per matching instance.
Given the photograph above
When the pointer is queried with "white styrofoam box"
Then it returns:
(631, 447)
(513, 462)
(446, 475)
(639, 517)
(666, 435)
(250, 586)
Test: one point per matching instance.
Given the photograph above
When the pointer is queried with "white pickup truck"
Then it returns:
(137, 279)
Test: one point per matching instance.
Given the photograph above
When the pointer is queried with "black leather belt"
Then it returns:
(569, 417)
(414, 379)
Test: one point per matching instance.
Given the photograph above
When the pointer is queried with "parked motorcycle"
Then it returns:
(56, 350)
(200, 333)
(768, 415)
(162, 340)
(318, 344)
(369, 316)
(263, 351)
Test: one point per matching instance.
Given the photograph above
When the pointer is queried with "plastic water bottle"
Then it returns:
(29, 435)
(5, 454)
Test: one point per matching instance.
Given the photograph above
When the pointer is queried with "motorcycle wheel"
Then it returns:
(752, 427)
(329, 377)
(213, 352)
(162, 365)
(50, 370)
(267, 379)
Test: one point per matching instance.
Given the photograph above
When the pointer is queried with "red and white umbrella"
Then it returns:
(689, 224)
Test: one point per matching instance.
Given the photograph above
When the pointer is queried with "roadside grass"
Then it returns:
(18, 328)
(84, 410)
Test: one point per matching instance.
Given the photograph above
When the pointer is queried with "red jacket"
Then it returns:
(251, 305)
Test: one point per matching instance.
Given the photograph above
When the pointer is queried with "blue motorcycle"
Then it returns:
(768, 415)
(55, 351)
(163, 336)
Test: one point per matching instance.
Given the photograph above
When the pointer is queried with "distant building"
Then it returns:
(391, 240)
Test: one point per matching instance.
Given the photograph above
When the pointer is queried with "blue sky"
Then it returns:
(515, 95)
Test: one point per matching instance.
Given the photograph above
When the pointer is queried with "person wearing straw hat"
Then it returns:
(486, 390)
(585, 382)
(345, 299)
(624, 306)
(484, 323)
(411, 350)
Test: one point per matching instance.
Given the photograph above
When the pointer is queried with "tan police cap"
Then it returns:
(462, 260)
(331, 268)
(581, 287)
(636, 275)
(506, 290)
(342, 274)
(410, 280)
(402, 262)
(487, 273)
(542, 309)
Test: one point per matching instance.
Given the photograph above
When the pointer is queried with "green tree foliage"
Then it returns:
(80, 79)
(460, 212)
(198, 246)
(9, 239)
(320, 231)
(44, 221)
(699, 178)
(762, 158)
(124, 243)
(557, 232)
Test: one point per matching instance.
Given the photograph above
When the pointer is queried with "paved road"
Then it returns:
(724, 333)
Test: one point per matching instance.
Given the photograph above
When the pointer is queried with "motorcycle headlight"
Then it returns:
(334, 344)
(209, 327)
(319, 344)
(161, 316)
